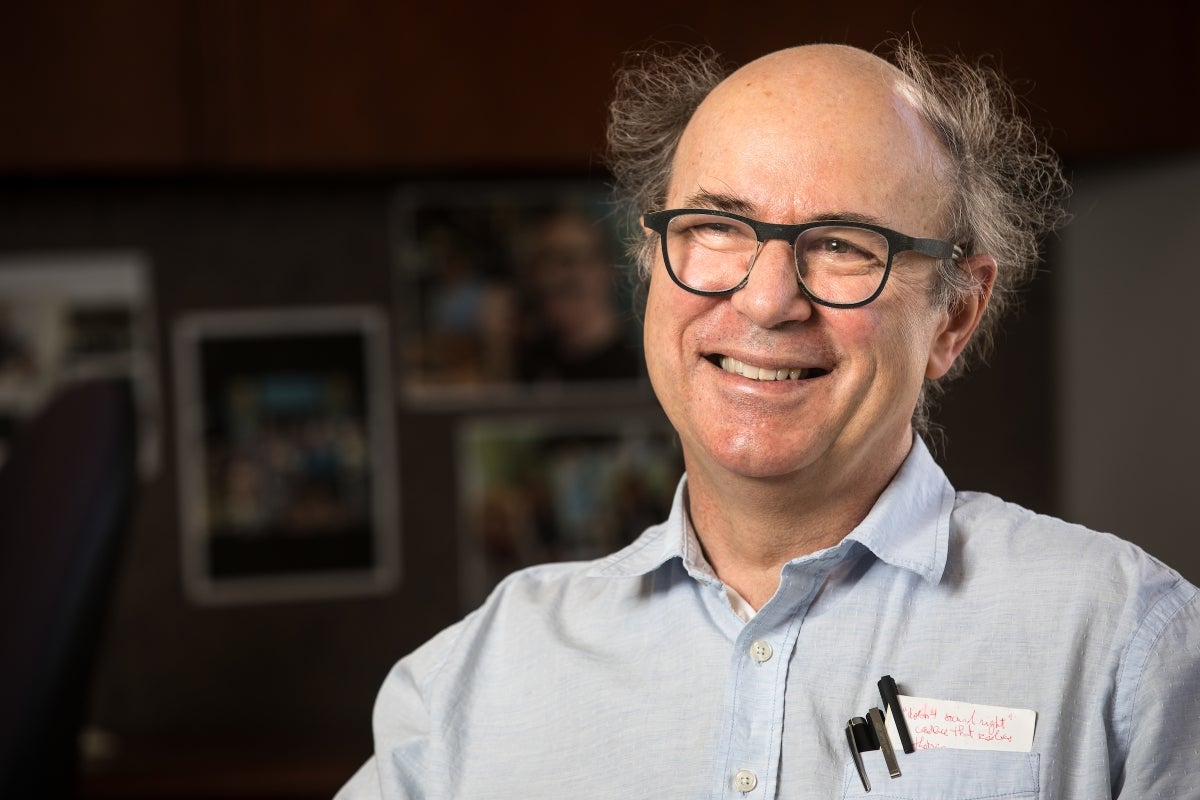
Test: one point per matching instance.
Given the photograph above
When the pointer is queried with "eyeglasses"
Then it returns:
(838, 264)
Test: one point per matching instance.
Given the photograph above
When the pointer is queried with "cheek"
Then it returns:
(671, 314)
(660, 328)
(892, 340)
(910, 340)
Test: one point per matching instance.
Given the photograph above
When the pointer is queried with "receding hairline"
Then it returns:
(842, 52)
(804, 61)
(817, 70)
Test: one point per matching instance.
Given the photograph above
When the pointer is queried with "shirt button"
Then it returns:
(761, 651)
(745, 780)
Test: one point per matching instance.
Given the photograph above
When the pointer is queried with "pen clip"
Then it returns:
(885, 742)
(853, 729)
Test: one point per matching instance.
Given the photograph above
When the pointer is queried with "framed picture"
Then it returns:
(534, 489)
(286, 449)
(68, 316)
(504, 287)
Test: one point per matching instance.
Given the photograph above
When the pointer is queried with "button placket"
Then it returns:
(757, 683)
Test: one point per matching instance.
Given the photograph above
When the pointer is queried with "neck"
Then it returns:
(749, 528)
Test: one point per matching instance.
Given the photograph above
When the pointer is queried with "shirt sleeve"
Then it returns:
(1163, 723)
(400, 769)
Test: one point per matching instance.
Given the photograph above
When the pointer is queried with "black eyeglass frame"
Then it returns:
(658, 221)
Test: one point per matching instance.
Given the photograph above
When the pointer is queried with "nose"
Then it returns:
(772, 295)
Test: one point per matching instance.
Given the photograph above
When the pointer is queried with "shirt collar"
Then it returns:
(657, 545)
(908, 527)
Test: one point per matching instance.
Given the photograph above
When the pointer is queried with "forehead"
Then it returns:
(814, 131)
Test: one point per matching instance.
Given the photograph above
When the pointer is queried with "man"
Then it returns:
(824, 236)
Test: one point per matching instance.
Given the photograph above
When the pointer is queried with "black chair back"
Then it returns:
(66, 487)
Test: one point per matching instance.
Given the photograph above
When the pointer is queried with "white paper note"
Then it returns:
(964, 726)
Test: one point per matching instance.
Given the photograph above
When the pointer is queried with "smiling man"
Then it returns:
(780, 468)
(826, 236)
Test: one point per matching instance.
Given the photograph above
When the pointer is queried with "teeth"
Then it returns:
(730, 364)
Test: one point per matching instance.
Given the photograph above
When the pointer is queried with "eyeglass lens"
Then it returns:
(838, 264)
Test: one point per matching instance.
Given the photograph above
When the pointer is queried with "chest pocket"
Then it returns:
(947, 775)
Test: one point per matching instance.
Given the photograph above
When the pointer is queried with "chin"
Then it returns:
(751, 458)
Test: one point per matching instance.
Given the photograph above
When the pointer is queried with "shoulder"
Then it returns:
(984, 525)
(504, 629)
(526, 612)
(1105, 579)
(980, 514)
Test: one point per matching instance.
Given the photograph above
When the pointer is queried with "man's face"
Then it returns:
(797, 137)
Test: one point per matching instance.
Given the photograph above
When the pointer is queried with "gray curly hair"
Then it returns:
(1010, 190)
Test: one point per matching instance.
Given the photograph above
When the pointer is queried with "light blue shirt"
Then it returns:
(632, 677)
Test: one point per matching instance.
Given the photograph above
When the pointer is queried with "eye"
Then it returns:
(715, 228)
(839, 247)
(831, 248)
(706, 229)
(712, 231)
(844, 246)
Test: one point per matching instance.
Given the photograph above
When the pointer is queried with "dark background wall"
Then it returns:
(250, 149)
(278, 86)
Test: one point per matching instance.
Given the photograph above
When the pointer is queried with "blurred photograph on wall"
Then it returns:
(286, 454)
(534, 489)
(69, 316)
(507, 287)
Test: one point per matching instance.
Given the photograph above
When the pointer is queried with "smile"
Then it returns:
(730, 364)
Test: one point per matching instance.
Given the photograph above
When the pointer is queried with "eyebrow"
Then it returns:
(721, 201)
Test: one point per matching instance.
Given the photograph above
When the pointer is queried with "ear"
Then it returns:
(962, 319)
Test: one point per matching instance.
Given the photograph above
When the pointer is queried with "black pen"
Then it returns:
(891, 700)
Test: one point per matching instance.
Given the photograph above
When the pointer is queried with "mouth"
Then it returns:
(731, 364)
